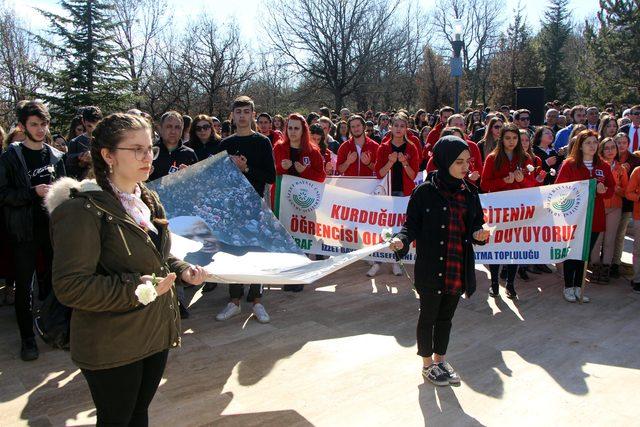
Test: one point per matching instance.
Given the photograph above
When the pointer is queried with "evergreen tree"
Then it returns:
(554, 34)
(85, 70)
(614, 52)
(515, 63)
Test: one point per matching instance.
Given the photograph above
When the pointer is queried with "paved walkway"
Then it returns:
(342, 353)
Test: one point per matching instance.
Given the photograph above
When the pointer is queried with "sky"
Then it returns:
(248, 12)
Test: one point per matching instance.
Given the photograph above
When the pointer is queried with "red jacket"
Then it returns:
(530, 177)
(475, 162)
(315, 170)
(569, 172)
(413, 157)
(357, 168)
(434, 134)
(275, 136)
(492, 179)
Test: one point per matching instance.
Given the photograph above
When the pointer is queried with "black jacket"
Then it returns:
(427, 222)
(544, 156)
(77, 146)
(16, 194)
(162, 165)
(204, 151)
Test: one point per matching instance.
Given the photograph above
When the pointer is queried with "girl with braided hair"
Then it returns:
(110, 236)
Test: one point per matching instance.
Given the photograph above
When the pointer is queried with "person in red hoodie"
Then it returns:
(265, 127)
(434, 135)
(400, 157)
(296, 155)
(506, 168)
(357, 155)
(584, 163)
(456, 121)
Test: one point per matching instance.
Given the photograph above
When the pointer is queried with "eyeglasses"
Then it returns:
(203, 127)
(141, 153)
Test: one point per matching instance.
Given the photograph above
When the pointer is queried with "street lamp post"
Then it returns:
(456, 61)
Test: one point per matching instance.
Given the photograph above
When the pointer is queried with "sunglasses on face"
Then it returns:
(203, 127)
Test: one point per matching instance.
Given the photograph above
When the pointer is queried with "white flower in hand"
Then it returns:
(146, 292)
(552, 172)
(530, 168)
(387, 234)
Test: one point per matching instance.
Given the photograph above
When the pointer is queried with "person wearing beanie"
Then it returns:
(445, 218)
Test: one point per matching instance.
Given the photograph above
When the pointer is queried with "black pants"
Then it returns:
(26, 256)
(434, 323)
(237, 291)
(574, 268)
(512, 269)
(122, 395)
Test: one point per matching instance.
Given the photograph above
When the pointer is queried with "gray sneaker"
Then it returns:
(228, 312)
(435, 375)
(578, 291)
(569, 294)
(260, 313)
(454, 378)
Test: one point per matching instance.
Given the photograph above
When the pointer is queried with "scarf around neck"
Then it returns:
(135, 207)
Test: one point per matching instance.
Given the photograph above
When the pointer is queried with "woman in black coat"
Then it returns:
(445, 218)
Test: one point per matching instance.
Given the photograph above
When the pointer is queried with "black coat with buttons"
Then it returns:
(427, 223)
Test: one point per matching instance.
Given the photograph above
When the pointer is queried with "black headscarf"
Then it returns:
(445, 152)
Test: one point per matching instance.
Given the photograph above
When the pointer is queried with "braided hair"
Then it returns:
(108, 134)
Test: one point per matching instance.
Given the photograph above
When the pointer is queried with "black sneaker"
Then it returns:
(494, 290)
(454, 378)
(435, 375)
(184, 313)
(636, 288)
(29, 349)
(523, 274)
(614, 272)
(511, 292)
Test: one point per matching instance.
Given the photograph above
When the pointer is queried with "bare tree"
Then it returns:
(482, 22)
(433, 79)
(217, 59)
(18, 56)
(336, 42)
(139, 26)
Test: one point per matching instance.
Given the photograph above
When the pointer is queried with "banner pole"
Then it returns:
(586, 252)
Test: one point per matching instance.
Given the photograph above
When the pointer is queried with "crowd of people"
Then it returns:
(76, 248)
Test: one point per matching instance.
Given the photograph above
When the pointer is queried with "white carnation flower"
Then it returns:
(530, 168)
(552, 172)
(146, 292)
(387, 234)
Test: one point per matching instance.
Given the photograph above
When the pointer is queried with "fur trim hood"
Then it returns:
(61, 190)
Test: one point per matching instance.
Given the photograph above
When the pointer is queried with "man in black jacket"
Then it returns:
(173, 154)
(27, 170)
(78, 160)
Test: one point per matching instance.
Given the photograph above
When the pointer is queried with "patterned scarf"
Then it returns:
(136, 208)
